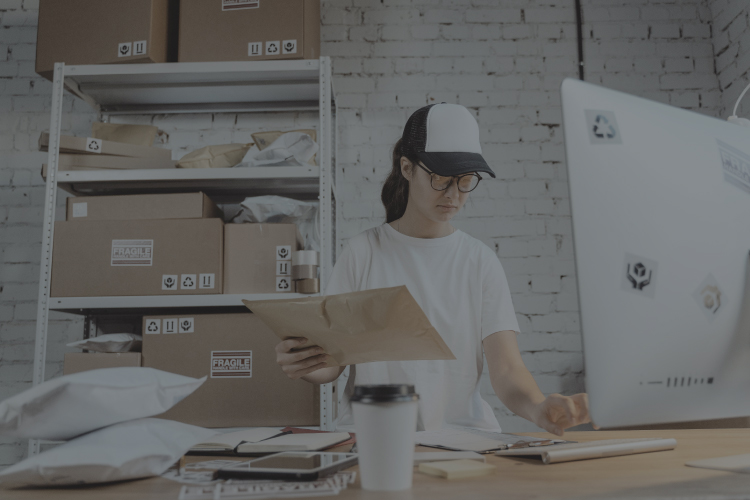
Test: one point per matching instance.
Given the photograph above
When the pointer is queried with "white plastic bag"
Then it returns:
(281, 210)
(68, 406)
(290, 149)
(111, 342)
(129, 450)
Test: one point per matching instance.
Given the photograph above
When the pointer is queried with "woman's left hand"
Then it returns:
(557, 412)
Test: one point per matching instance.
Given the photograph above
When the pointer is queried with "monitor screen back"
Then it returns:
(660, 201)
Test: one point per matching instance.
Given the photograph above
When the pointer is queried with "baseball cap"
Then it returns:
(445, 137)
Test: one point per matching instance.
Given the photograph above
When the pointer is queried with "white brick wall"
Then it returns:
(731, 44)
(504, 59)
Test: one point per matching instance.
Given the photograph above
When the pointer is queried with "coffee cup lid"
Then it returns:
(384, 393)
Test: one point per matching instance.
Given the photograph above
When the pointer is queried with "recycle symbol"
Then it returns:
(93, 146)
(599, 128)
(272, 48)
(152, 327)
(124, 50)
(289, 46)
(186, 325)
(284, 284)
(169, 282)
(188, 282)
(282, 253)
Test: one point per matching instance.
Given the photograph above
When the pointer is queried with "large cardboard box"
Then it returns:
(249, 30)
(105, 32)
(258, 257)
(82, 361)
(137, 257)
(143, 207)
(245, 385)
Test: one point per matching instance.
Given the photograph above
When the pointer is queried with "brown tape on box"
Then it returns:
(304, 272)
(307, 286)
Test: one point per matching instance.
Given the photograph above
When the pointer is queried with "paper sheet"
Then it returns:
(384, 324)
(469, 439)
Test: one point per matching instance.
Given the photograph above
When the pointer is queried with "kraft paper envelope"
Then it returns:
(385, 324)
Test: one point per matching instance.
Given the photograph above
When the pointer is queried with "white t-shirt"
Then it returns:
(461, 286)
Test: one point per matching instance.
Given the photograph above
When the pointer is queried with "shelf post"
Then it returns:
(48, 229)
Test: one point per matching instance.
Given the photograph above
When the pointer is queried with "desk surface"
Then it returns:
(653, 475)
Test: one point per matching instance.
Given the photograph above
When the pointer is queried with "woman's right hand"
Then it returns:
(297, 364)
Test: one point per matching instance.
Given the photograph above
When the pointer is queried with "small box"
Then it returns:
(83, 361)
(137, 257)
(249, 30)
(105, 32)
(99, 147)
(143, 207)
(257, 257)
(245, 385)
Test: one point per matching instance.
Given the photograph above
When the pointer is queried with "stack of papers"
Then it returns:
(470, 439)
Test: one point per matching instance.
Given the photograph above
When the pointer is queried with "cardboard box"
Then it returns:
(245, 385)
(105, 32)
(249, 30)
(104, 162)
(137, 257)
(89, 145)
(143, 207)
(82, 361)
(257, 257)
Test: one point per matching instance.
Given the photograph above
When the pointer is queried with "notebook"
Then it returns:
(295, 442)
(227, 442)
(568, 452)
(471, 439)
(456, 469)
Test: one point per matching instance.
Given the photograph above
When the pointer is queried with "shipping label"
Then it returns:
(132, 253)
(231, 364)
(239, 4)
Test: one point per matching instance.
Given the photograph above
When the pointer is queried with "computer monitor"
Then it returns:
(660, 201)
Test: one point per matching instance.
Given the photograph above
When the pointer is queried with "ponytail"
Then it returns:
(395, 193)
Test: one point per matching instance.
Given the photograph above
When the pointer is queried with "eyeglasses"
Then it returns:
(466, 182)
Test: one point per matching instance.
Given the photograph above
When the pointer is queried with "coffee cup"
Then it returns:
(385, 420)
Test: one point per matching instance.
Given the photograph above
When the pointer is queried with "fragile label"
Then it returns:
(231, 364)
(239, 4)
(132, 252)
(80, 209)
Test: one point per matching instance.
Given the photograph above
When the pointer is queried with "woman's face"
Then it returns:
(438, 206)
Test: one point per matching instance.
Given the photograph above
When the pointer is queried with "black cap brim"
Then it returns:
(454, 163)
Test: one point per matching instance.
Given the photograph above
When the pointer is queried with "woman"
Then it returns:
(456, 279)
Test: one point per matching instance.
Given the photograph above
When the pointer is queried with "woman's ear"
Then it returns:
(406, 168)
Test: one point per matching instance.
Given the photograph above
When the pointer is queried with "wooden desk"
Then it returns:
(654, 475)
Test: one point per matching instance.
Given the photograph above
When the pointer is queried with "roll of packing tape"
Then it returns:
(304, 272)
(307, 286)
(305, 258)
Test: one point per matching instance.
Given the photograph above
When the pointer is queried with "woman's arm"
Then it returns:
(517, 389)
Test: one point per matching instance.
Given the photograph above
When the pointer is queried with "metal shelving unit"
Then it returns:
(217, 87)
